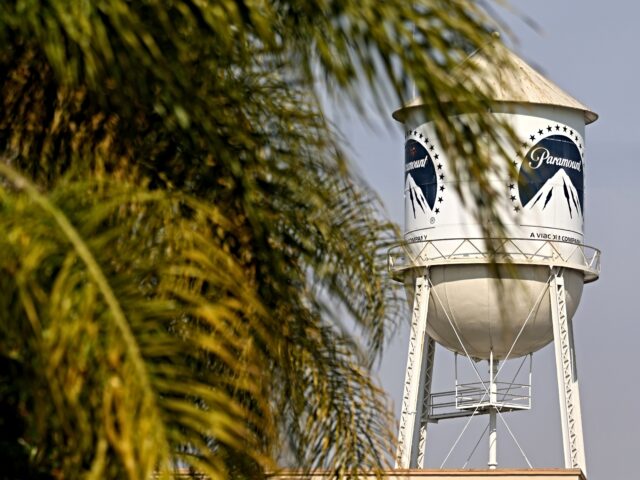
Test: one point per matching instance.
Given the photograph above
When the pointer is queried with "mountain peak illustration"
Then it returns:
(557, 195)
(419, 203)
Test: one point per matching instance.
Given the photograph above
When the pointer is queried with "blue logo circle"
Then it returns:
(552, 173)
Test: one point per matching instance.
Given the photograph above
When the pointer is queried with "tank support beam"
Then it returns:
(493, 412)
(417, 384)
(426, 399)
(568, 392)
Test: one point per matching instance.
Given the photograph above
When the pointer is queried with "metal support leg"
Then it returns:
(417, 383)
(427, 376)
(493, 412)
(568, 392)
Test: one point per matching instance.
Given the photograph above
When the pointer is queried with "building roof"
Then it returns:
(429, 474)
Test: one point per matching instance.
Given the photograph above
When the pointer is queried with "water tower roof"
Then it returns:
(515, 81)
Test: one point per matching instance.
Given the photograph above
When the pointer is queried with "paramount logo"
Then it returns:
(415, 164)
(541, 155)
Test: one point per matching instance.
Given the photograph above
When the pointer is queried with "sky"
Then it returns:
(589, 49)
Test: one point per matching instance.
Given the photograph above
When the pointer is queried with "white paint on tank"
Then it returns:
(544, 202)
(488, 313)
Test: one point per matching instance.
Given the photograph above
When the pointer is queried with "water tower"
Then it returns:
(462, 302)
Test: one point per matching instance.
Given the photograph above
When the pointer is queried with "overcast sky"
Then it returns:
(589, 49)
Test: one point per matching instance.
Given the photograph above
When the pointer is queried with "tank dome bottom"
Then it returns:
(488, 307)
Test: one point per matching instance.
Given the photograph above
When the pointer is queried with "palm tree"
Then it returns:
(190, 272)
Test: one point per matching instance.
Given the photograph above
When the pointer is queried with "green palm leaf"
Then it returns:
(191, 274)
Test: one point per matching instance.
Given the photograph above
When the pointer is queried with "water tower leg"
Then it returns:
(568, 391)
(417, 383)
(426, 398)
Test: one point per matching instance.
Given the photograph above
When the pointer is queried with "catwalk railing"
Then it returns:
(516, 251)
(508, 395)
(473, 399)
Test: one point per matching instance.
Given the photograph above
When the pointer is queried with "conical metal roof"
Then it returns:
(515, 81)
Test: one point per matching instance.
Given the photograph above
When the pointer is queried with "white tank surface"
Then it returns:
(543, 209)
(489, 314)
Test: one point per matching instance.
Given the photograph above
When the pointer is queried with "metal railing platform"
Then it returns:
(473, 399)
(516, 251)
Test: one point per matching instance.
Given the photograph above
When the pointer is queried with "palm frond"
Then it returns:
(191, 272)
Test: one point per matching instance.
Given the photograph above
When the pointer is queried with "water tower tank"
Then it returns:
(542, 207)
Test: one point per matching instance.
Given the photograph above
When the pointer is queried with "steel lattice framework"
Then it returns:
(568, 391)
(412, 432)
(417, 396)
